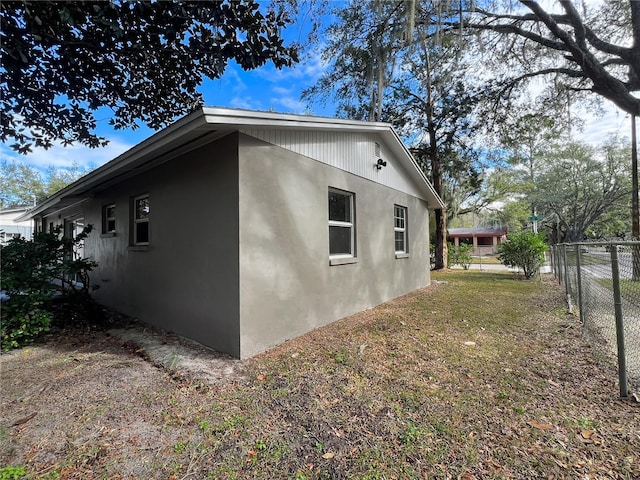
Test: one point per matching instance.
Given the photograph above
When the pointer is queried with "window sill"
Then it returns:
(342, 260)
(402, 255)
(108, 235)
(138, 248)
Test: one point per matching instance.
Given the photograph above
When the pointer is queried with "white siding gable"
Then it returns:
(354, 152)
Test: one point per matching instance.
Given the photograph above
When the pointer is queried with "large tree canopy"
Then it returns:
(594, 48)
(384, 67)
(63, 60)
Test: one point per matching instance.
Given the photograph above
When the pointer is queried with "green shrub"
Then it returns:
(464, 255)
(460, 255)
(33, 271)
(523, 250)
(451, 255)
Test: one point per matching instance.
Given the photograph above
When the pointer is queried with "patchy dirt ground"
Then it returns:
(478, 376)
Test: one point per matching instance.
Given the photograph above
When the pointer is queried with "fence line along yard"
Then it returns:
(603, 281)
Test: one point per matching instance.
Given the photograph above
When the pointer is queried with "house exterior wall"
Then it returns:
(287, 286)
(186, 280)
(9, 228)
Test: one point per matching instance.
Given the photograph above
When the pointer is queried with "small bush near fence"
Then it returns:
(33, 272)
(523, 250)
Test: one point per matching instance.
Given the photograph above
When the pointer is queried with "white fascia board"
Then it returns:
(233, 118)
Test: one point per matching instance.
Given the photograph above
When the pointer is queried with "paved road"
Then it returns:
(498, 268)
(597, 296)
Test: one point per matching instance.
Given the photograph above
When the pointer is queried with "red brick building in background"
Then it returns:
(485, 240)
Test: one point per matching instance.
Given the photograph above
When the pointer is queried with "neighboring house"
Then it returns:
(242, 229)
(10, 228)
(485, 240)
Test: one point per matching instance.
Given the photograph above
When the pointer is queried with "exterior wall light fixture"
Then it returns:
(381, 163)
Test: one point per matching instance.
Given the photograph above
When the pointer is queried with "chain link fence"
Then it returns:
(603, 281)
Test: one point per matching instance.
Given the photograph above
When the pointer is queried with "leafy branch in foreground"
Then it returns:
(144, 60)
(594, 49)
(32, 272)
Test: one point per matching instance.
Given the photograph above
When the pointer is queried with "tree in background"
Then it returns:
(361, 46)
(592, 50)
(575, 189)
(144, 60)
(587, 48)
(431, 104)
(24, 185)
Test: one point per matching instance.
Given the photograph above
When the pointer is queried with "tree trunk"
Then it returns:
(436, 173)
(441, 239)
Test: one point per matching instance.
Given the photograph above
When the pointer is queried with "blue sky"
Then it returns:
(266, 88)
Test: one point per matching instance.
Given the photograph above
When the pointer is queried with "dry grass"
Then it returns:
(483, 376)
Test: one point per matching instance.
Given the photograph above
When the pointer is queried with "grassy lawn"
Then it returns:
(493, 260)
(481, 376)
(629, 289)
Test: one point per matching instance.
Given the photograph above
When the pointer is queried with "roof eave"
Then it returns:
(146, 147)
(233, 118)
(222, 119)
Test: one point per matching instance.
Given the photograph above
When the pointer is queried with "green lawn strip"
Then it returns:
(629, 289)
(493, 260)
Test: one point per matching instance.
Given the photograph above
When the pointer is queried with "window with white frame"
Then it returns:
(341, 223)
(73, 227)
(6, 237)
(400, 228)
(109, 218)
(141, 220)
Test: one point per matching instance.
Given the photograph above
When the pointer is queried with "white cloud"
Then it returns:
(65, 157)
(309, 70)
(232, 77)
(246, 102)
(290, 104)
(597, 128)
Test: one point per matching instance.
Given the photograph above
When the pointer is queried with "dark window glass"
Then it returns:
(109, 219)
(340, 240)
(142, 232)
(339, 207)
(399, 241)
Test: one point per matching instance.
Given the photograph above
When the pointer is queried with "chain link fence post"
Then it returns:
(617, 303)
(578, 248)
(565, 273)
(560, 266)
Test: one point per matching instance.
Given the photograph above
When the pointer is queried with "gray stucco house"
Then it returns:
(242, 229)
